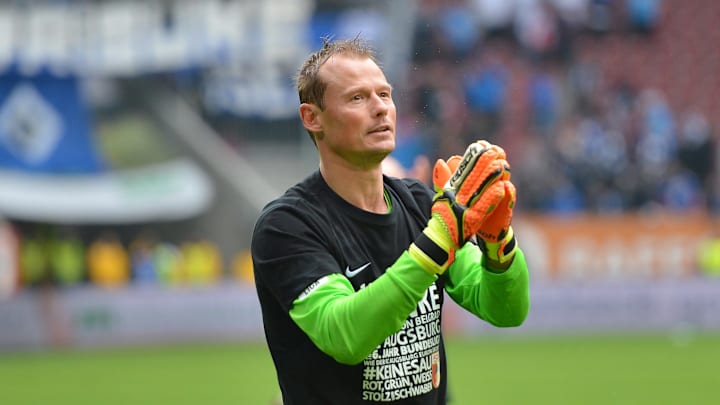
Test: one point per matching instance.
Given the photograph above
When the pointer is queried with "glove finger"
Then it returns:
(498, 221)
(443, 170)
(496, 149)
(478, 155)
(482, 179)
(477, 214)
(469, 174)
(453, 163)
(511, 194)
(441, 174)
(499, 151)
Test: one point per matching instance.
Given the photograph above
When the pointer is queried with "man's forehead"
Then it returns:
(348, 67)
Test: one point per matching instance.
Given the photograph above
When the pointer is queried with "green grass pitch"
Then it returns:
(658, 369)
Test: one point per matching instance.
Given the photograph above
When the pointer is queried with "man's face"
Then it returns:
(358, 123)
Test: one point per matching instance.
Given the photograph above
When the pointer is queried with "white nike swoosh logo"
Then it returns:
(352, 273)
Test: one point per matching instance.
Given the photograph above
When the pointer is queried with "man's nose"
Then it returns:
(380, 105)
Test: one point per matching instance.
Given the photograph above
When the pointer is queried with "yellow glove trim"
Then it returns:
(500, 255)
(434, 250)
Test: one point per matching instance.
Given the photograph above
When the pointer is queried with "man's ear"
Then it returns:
(310, 116)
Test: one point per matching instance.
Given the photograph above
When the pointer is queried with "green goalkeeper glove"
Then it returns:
(461, 204)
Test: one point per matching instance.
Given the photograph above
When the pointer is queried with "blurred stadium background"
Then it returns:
(139, 140)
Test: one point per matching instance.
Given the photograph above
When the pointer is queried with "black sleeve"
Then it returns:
(290, 252)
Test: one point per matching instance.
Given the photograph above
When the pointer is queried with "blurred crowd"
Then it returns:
(65, 256)
(511, 72)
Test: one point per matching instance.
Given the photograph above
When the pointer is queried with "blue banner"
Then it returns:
(45, 125)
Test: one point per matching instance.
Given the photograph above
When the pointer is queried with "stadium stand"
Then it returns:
(604, 108)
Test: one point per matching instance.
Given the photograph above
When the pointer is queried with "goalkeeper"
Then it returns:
(352, 266)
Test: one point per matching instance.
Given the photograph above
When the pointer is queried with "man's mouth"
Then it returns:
(381, 128)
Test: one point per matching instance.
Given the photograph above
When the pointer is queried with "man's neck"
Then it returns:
(362, 188)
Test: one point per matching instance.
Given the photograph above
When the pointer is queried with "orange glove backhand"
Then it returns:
(464, 201)
(497, 223)
(497, 239)
(461, 204)
(491, 212)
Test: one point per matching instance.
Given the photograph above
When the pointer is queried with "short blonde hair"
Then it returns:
(311, 88)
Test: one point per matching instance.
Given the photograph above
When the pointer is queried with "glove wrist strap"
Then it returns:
(431, 250)
(500, 255)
